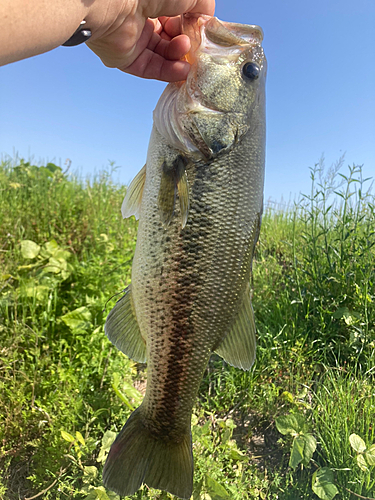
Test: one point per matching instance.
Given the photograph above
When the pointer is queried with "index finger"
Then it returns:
(204, 7)
(171, 25)
(158, 8)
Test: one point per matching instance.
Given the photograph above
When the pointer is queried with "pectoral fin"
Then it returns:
(123, 331)
(183, 194)
(173, 181)
(239, 346)
(132, 201)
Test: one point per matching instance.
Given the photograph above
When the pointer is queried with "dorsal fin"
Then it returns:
(132, 201)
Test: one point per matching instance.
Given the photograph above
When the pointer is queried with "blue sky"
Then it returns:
(320, 97)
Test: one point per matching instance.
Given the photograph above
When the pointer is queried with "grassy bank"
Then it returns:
(65, 391)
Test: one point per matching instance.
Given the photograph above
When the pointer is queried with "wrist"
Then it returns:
(104, 16)
(81, 35)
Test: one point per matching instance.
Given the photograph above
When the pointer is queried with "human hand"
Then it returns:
(145, 37)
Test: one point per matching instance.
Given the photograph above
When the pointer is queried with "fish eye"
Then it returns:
(251, 71)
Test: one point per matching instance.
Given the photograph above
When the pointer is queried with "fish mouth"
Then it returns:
(222, 40)
(230, 37)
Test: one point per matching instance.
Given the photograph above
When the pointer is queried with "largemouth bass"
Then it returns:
(199, 202)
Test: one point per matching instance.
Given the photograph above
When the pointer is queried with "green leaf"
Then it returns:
(61, 254)
(52, 269)
(216, 490)
(341, 312)
(79, 318)
(230, 424)
(302, 394)
(107, 440)
(44, 171)
(29, 249)
(296, 453)
(288, 396)
(92, 495)
(361, 462)
(225, 437)
(370, 455)
(322, 484)
(79, 438)
(39, 292)
(65, 274)
(98, 494)
(60, 263)
(129, 389)
(197, 490)
(357, 443)
(122, 396)
(51, 246)
(310, 447)
(55, 266)
(53, 168)
(236, 454)
(112, 495)
(290, 424)
(15, 185)
(68, 437)
(90, 472)
(205, 496)
(126, 391)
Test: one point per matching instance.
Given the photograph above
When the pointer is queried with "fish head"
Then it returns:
(228, 63)
(226, 82)
(224, 94)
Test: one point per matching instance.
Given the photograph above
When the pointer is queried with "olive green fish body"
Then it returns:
(199, 202)
(188, 283)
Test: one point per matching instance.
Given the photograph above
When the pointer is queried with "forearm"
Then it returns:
(32, 27)
(28, 28)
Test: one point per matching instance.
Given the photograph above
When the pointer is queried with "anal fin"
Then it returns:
(123, 331)
(239, 346)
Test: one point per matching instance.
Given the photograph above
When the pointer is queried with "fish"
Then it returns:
(199, 201)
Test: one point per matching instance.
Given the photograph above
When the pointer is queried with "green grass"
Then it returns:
(65, 391)
(344, 405)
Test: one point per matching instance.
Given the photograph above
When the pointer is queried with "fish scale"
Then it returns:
(199, 201)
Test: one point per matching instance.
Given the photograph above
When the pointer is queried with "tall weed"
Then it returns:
(316, 276)
(65, 391)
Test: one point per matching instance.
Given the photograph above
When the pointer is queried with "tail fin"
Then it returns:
(137, 457)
